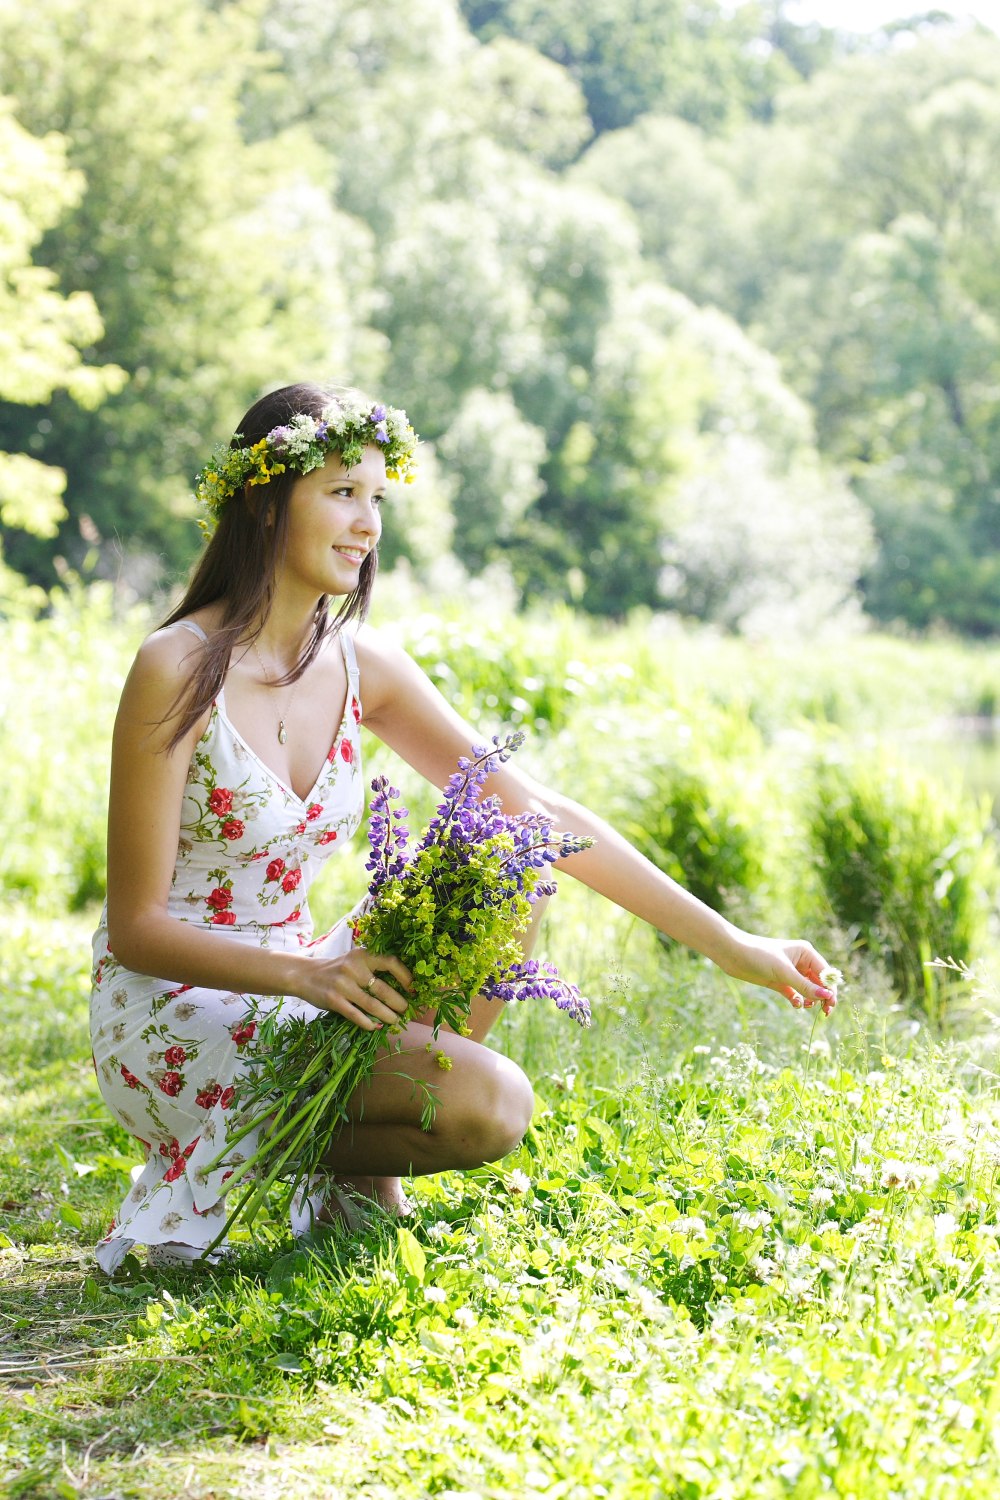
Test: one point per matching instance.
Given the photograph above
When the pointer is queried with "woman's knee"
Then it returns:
(491, 1116)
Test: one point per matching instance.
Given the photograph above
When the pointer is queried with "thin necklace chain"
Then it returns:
(282, 732)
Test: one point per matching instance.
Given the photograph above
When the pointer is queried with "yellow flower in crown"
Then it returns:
(347, 426)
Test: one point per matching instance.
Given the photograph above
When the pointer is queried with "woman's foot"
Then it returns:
(387, 1192)
(344, 1201)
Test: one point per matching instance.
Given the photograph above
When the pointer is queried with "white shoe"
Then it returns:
(172, 1254)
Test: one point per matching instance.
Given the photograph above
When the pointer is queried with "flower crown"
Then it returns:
(347, 426)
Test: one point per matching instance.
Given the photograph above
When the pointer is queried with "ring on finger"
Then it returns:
(372, 981)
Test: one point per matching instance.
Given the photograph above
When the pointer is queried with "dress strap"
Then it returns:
(192, 625)
(351, 662)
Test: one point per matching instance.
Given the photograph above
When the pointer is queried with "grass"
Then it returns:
(742, 1252)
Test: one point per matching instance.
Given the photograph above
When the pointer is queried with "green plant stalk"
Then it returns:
(317, 1121)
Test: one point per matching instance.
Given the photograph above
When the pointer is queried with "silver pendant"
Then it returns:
(282, 736)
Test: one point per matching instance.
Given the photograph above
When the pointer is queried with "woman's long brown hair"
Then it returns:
(239, 563)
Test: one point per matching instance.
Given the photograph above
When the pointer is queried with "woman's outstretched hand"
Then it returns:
(792, 968)
(356, 985)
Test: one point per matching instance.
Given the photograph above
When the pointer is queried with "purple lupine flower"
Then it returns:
(531, 980)
(388, 836)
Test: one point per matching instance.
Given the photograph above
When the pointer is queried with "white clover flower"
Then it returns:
(830, 977)
(518, 1181)
(689, 1225)
(944, 1225)
(746, 1219)
(701, 1051)
(764, 1267)
(435, 1294)
(820, 1197)
(464, 1317)
(907, 1175)
(958, 1413)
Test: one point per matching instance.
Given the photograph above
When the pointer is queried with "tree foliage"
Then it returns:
(42, 331)
(638, 270)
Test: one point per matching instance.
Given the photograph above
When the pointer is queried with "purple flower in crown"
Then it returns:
(381, 433)
(278, 436)
(322, 428)
(378, 413)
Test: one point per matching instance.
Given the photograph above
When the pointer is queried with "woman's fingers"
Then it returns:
(813, 977)
(386, 963)
(380, 1000)
(802, 976)
(353, 987)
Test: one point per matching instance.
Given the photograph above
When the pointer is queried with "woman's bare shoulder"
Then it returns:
(167, 653)
(158, 682)
(381, 659)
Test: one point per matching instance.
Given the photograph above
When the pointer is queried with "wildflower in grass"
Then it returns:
(692, 1226)
(907, 1175)
(519, 1182)
(747, 1219)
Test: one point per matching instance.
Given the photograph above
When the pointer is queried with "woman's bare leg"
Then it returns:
(482, 1108)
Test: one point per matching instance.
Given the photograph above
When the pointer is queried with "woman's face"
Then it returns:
(333, 523)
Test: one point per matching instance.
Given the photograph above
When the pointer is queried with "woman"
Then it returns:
(236, 772)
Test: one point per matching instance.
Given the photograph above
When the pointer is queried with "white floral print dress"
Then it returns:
(168, 1055)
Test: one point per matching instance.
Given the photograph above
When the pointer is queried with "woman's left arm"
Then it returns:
(404, 709)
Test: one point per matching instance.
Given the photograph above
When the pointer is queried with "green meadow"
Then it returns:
(742, 1252)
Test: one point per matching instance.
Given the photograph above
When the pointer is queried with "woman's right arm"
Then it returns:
(147, 789)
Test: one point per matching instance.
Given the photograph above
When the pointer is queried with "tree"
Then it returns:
(633, 57)
(885, 312)
(693, 217)
(762, 552)
(495, 457)
(217, 266)
(42, 331)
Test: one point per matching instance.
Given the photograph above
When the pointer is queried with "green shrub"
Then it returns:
(699, 834)
(906, 863)
(701, 807)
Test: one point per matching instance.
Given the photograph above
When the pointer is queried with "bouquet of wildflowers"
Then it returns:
(452, 910)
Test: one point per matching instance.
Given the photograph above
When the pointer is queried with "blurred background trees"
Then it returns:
(696, 308)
